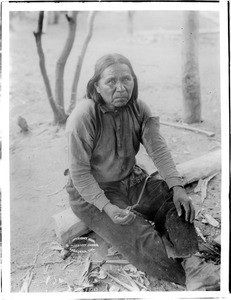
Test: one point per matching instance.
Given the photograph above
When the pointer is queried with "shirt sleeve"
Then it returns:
(157, 149)
(79, 155)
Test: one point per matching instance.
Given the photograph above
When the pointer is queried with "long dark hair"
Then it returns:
(101, 64)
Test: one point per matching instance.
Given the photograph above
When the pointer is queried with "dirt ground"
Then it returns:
(38, 158)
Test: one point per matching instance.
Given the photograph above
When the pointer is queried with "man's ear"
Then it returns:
(97, 88)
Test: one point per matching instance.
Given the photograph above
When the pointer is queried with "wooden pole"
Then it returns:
(187, 127)
(191, 79)
(201, 167)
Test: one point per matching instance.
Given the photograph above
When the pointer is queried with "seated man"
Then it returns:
(115, 197)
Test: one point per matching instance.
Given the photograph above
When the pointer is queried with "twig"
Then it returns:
(70, 263)
(50, 263)
(140, 284)
(41, 187)
(187, 127)
(23, 267)
(126, 286)
(211, 220)
(113, 262)
(29, 275)
(48, 256)
(211, 249)
(57, 192)
(202, 186)
(99, 265)
(36, 256)
(41, 132)
(133, 284)
(85, 270)
(27, 281)
(199, 233)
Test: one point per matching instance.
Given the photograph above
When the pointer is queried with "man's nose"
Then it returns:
(119, 86)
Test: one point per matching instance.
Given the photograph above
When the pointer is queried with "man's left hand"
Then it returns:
(180, 198)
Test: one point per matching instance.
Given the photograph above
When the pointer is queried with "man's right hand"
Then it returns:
(118, 215)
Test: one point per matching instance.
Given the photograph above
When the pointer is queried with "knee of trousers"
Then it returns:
(181, 233)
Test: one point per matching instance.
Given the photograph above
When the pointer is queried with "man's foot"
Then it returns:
(201, 276)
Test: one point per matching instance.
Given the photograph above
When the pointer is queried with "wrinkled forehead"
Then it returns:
(116, 70)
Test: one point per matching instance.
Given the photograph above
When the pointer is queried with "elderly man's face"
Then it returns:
(116, 85)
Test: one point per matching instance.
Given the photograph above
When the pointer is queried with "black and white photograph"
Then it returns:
(116, 149)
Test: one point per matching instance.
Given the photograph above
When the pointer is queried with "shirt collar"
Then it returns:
(105, 109)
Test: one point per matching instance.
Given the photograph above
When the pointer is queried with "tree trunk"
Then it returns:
(45, 21)
(59, 117)
(130, 15)
(91, 18)
(55, 17)
(59, 82)
(191, 80)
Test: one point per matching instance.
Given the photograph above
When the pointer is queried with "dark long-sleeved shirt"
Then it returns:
(103, 143)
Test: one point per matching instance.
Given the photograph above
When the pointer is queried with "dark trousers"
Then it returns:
(140, 243)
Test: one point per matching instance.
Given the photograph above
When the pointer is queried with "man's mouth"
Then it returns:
(121, 97)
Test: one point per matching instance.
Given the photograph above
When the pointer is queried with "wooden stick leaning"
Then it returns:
(187, 127)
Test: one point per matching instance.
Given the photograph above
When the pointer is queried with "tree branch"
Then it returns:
(38, 38)
(91, 18)
(40, 22)
(59, 82)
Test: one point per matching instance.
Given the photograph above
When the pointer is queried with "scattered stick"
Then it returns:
(26, 282)
(29, 275)
(113, 262)
(41, 132)
(50, 263)
(36, 257)
(124, 285)
(40, 188)
(98, 265)
(23, 267)
(202, 186)
(187, 127)
(70, 263)
(131, 281)
(211, 220)
(57, 192)
(211, 249)
(45, 268)
(140, 284)
(199, 233)
(85, 271)
(48, 256)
